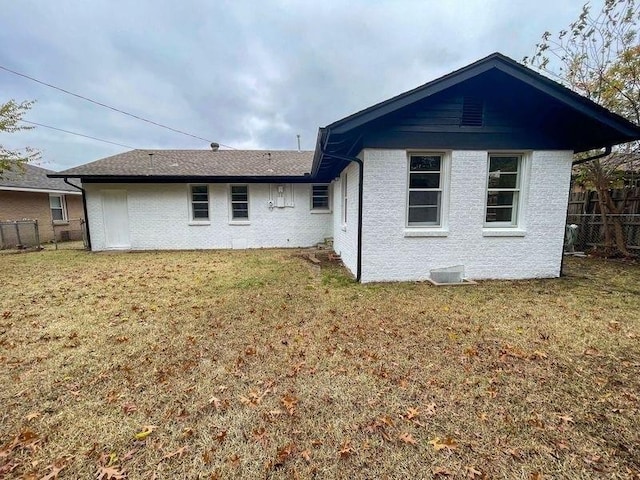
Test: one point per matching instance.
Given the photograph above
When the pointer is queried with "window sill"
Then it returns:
(426, 232)
(196, 224)
(60, 222)
(239, 222)
(503, 232)
(318, 211)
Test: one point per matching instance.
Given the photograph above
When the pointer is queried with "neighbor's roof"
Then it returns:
(33, 179)
(194, 164)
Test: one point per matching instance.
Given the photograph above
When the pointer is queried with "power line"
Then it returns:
(109, 107)
(79, 134)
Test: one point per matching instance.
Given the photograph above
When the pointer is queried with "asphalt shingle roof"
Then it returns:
(32, 177)
(198, 163)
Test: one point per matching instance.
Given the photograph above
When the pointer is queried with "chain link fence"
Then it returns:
(19, 234)
(73, 230)
(586, 231)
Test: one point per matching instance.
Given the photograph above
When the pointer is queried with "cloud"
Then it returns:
(242, 73)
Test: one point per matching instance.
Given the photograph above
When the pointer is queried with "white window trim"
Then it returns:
(239, 221)
(63, 207)
(517, 228)
(344, 195)
(193, 221)
(326, 209)
(436, 230)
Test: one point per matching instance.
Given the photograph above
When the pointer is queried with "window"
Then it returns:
(239, 202)
(58, 208)
(425, 190)
(320, 197)
(200, 203)
(344, 199)
(503, 190)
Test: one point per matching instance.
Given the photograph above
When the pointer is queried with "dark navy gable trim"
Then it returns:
(521, 109)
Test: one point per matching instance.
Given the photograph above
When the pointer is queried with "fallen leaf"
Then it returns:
(283, 454)
(346, 449)
(412, 413)
(129, 408)
(407, 438)
(447, 443)
(178, 453)
(110, 473)
(442, 471)
(289, 402)
(306, 454)
(55, 470)
(32, 415)
(146, 431)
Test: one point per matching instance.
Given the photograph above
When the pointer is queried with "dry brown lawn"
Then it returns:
(257, 364)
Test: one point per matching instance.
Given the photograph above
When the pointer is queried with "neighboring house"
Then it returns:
(471, 169)
(27, 193)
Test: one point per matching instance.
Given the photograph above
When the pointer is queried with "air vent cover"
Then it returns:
(472, 112)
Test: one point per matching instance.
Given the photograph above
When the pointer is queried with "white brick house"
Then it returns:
(471, 169)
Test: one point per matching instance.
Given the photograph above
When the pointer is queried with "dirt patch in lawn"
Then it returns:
(251, 364)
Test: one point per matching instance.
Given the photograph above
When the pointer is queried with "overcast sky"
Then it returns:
(248, 74)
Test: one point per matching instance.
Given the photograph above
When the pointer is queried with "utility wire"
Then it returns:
(109, 107)
(79, 134)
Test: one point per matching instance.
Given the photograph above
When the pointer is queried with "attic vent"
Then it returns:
(472, 110)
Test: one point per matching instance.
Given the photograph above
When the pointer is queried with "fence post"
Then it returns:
(37, 232)
(1, 236)
(18, 232)
(55, 239)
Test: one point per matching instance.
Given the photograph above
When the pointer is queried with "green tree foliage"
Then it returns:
(598, 56)
(10, 115)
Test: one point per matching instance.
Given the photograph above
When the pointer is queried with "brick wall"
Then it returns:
(159, 218)
(15, 205)
(389, 253)
(345, 236)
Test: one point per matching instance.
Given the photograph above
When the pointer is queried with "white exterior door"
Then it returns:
(115, 219)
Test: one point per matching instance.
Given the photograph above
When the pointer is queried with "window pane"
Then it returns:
(424, 163)
(503, 180)
(424, 215)
(55, 202)
(200, 197)
(320, 202)
(499, 214)
(504, 164)
(321, 190)
(239, 193)
(240, 210)
(424, 198)
(424, 180)
(201, 214)
(56, 214)
(500, 198)
(199, 189)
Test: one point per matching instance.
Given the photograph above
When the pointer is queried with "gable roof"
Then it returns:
(619, 129)
(34, 179)
(196, 165)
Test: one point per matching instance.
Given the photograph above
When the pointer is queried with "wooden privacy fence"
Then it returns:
(585, 229)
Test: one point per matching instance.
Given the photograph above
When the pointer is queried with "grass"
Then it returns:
(257, 364)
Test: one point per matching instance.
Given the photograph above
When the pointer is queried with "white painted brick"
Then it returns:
(389, 255)
(345, 237)
(159, 218)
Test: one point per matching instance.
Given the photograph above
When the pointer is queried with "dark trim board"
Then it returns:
(182, 179)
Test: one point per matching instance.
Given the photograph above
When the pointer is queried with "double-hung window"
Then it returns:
(426, 183)
(320, 197)
(199, 203)
(503, 190)
(239, 202)
(58, 208)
